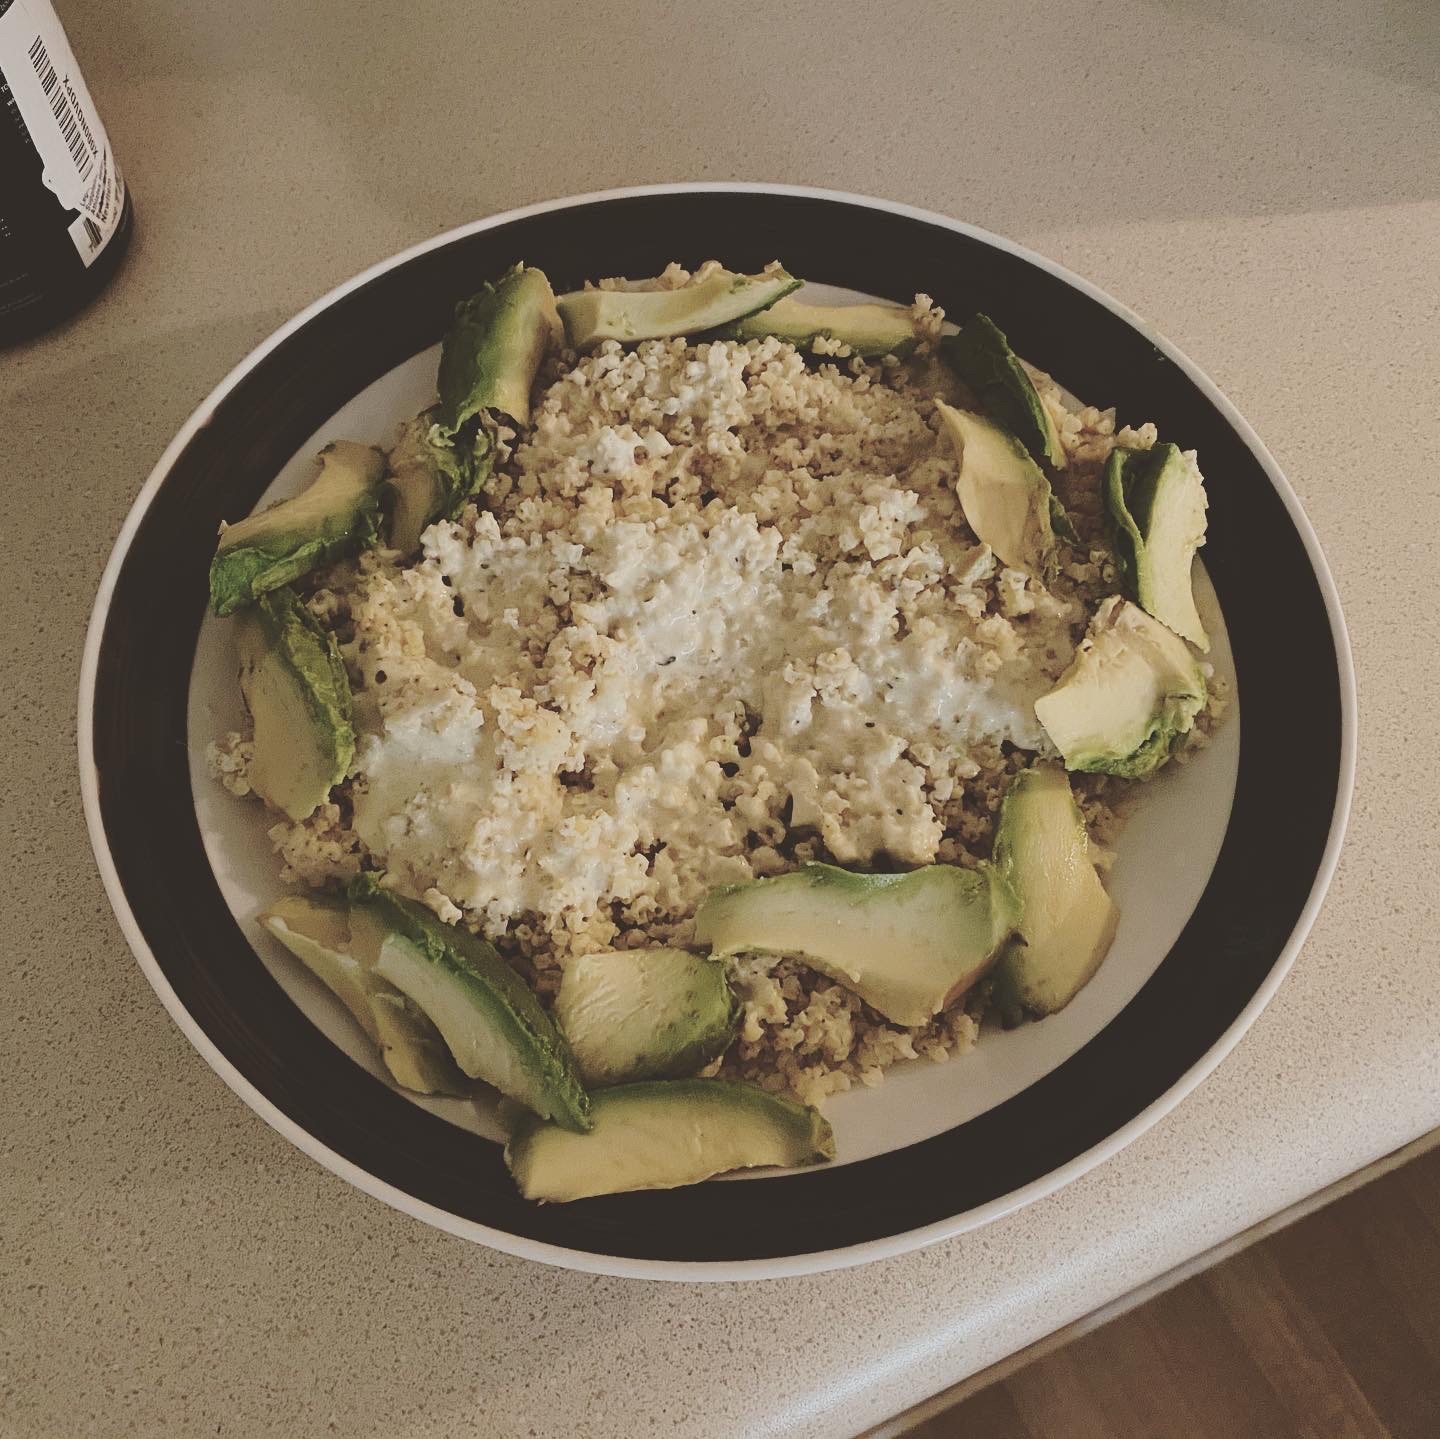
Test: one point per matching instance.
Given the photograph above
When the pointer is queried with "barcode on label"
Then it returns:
(92, 233)
(61, 108)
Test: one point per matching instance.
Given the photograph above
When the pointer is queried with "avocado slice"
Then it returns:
(494, 348)
(1006, 498)
(1156, 501)
(413, 1049)
(1131, 692)
(870, 330)
(298, 695)
(591, 316)
(645, 1013)
(1067, 920)
(433, 475)
(981, 356)
(908, 944)
(317, 931)
(336, 516)
(662, 1134)
(492, 1023)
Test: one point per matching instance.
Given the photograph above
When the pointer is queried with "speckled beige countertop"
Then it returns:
(1262, 181)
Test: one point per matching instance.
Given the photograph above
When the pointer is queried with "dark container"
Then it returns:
(66, 216)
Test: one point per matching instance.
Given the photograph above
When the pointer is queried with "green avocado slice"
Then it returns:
(1130, 694)
(488, 363)
(1067, 920)
(433, 475)
(870, 330)
(336, 516)
(909, 945)
(317, 930)
(662, 1134)
(494, 1026)
(591, 316)
(645, 1013)
(1006, 498)
(494, 349)
(298, 695)
(982, 357)
(1156, 501)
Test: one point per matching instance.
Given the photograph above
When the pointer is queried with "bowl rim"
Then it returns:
(586, 1261)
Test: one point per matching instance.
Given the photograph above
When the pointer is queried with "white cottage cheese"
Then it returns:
(721, 604)
(721, 615)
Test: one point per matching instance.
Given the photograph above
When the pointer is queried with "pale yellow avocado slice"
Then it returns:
(591, 316)
(1067, 920)
(298, 696)
(661, 1134)
(1131, 692)
(908, 944)
(413, 1050)
(1005, 496)
(317, 932)
(632, 1014)
(339, 947)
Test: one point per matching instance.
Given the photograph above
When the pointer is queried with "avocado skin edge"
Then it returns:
(1157, 747)
(1130, 477)
(981, 355)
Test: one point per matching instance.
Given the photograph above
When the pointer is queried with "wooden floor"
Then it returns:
(1329, 1328)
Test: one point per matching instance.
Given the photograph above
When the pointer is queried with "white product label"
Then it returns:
(50, 94)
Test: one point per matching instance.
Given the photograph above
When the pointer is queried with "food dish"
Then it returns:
(623, 650)
(909, 1156)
